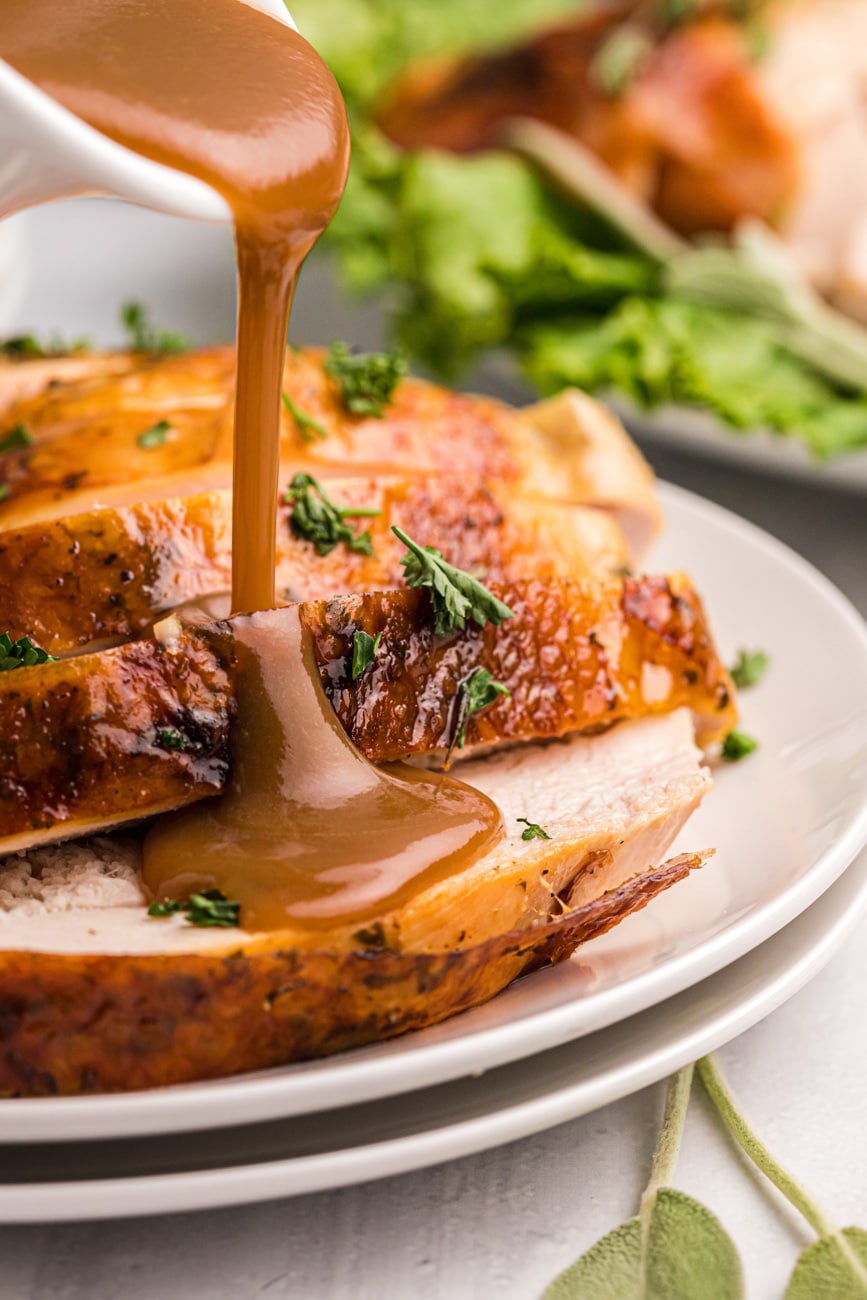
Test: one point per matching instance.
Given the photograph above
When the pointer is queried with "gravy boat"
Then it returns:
(47, 153)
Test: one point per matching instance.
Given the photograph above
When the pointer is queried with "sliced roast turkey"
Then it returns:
(101, 739)
(98, 996)
(148, 428)
(108, 574)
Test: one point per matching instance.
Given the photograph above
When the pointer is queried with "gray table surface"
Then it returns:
(500, 1224)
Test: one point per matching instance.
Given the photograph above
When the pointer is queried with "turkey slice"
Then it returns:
(105, 997)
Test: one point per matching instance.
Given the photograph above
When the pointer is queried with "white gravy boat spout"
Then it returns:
(47, 153)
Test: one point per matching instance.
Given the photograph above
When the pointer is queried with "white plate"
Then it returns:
(785, 823)
(289, 1157)
(680, 428)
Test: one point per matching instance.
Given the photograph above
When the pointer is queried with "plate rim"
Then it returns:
(253, 1183)
(699, 434)
(262, 1095)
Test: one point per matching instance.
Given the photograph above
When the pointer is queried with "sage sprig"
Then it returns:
(675, 1249)
(835, 1266)
(754, 274)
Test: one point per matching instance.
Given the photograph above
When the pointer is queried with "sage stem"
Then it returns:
(728, 1111)
(667, 1151)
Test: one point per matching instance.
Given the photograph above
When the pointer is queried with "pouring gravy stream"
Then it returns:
(308, 833)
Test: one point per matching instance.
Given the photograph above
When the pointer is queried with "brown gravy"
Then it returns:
(309, 833)
(226, 93)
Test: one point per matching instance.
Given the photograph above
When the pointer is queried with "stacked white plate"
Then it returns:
(700, 965)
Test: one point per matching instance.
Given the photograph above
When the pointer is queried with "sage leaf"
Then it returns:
(610, 1270)
(689, 1256)
(833, 1268)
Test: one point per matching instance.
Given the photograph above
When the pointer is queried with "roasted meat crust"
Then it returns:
(575, 657)
(98, 739)
(104, 738)
(113, 571)
(87, 435)
(89, 443)
(73, 1024)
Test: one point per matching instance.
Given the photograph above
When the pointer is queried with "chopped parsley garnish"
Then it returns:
(22, 347)
(737, 745)
(209, 908)
(21, 653)
(455, 594)
(17, 437)
(532, 830)
(156, 435)
(317, 519)
(308, 428)
(168, 907)
(26, 347)
(750, 668)
(144, 336)
(5, 491)
(364, 648)
(367, 380)
(478, 692)
(171, 738)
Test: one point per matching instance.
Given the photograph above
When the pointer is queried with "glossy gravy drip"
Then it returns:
(308, 833)
(226, 93)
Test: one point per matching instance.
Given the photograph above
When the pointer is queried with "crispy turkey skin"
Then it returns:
(97, 996)
(91, 439)
(118, 500)
(102, 739)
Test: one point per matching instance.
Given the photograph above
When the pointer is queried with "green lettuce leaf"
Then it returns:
(469, 249)
(476, 254)
(666, 350)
